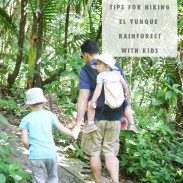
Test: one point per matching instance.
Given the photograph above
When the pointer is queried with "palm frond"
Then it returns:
(7, 21)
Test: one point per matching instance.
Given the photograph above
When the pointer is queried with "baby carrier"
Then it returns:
(103, 111)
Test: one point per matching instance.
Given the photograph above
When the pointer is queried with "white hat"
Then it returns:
(35, 96)
(108, 59)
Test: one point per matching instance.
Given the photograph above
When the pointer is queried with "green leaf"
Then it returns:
(136, 154)
(76, 146)
(81, 153)
(3, 136)
(2, 178)
(10, 138)
(3, 120)
(18, 177)
(6, 160)
(14, 166)
(143, 162)
(178, 91)
(77, 154)
(168, 94)
(175, 85)
(179, 160)
(153, 163)
(2, 150)
(15, 149)
(132, 142)
(159, 101)
(160, 93)
(131, 169)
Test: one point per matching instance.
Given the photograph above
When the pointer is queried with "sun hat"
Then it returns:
(108, 59)
(35, 96)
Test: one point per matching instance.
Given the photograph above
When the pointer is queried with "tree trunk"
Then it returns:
(12, 77)
(90, 21)
(32, 51)
(66, 29)
(37, 76)
(99, 32)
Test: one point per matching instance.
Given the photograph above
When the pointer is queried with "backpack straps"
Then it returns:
(91, 74)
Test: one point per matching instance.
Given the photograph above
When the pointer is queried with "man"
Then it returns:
(105, 139)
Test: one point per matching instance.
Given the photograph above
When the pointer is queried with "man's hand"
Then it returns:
(93, 105)
(124, 124)
(76, 131)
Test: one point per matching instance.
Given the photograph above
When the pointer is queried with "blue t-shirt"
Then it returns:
(41, 143)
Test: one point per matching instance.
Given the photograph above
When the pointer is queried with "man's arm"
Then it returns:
(82, 105)
(81, 108)
(25, 138)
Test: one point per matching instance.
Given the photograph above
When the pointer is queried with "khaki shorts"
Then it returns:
(104, 140)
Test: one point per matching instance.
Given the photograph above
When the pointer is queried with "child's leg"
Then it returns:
(51, 166)
(91, 126)
(37, 167)
(90, 113)
(129, 116)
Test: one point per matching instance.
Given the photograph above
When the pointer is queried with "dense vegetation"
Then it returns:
(42, 49)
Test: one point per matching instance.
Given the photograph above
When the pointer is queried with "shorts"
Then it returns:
(104, 140)
(38, 166)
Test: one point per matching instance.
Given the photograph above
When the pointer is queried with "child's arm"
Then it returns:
(25, 138)
(96, 94)
(125, 87)
(63, 129)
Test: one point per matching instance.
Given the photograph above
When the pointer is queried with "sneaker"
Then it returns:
(90, 128)
(132, 128)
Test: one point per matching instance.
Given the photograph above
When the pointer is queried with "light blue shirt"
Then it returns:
(41, 143)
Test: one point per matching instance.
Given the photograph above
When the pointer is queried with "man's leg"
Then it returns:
(112, 164)
(110, 149)
(96, 167)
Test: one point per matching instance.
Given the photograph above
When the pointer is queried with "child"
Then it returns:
(37, 137)
(115, 89)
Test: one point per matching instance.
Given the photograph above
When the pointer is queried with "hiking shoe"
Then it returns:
(90, 128)
(132, 128)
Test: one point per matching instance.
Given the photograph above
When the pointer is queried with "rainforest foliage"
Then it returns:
(40, 47)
